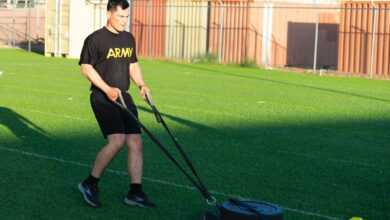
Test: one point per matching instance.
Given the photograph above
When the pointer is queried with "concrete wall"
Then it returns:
(78, 19)
(85, 18)
(57, 28)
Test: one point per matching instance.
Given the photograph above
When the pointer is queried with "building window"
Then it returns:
(20, 3)
(3, 3)
(25, 3)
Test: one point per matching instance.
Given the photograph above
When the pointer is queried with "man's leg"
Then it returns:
(89, 187)
(134, 157)
(107, 153)
(136, 195)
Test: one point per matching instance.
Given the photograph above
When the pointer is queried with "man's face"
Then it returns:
(118, 18)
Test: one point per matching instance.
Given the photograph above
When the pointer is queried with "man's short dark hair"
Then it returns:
(113, 4)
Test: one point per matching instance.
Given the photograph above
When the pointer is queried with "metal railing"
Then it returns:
(310, 36)
(22, 25)
(353, 37)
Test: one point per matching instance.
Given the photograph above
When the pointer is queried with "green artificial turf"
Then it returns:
(317, 146)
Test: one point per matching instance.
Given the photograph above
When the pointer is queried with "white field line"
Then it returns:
(163, 182)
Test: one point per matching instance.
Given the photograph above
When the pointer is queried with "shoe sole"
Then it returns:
(85, 197)
(132, 203)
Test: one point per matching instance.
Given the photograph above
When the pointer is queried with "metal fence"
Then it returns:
(22, 24)
(364, 45)
(233, 32)
(348, 37)
(336, 37)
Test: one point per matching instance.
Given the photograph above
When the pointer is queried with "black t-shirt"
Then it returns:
(110, 54)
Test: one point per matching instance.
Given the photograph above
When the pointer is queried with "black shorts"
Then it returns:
(111, 118)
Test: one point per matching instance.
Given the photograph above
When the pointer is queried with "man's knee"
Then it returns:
(116, 140)
(134, 142)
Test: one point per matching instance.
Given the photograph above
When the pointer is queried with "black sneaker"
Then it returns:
(139, 199)
(90, 194)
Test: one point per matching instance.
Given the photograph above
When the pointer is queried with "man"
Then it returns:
(108, 60)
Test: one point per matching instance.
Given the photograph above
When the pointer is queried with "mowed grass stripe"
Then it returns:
(315, 143)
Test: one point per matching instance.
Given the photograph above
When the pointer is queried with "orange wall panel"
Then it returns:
(357, 40)
(148, 26)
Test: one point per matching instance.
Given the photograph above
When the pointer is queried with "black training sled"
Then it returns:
(232, 209)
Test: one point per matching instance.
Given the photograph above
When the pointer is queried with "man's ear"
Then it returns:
(109, 14)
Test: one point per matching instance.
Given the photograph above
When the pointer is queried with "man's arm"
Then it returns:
(136, 76)
(92, 75)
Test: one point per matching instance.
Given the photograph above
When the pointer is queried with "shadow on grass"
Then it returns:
(21, 126)
(296, 165)
(176, 119)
